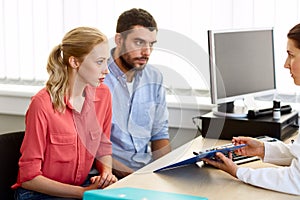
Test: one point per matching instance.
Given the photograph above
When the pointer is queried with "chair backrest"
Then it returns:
(10, 144)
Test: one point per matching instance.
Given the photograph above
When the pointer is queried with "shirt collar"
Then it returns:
(68, 104)
(89, 98)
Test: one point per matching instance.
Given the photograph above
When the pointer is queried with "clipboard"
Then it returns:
(207, 154)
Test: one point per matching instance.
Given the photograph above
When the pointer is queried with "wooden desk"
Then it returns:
(206, 181)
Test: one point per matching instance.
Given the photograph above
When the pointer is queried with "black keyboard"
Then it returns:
(239, 159)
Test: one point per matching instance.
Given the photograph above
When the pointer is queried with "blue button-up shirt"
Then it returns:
(138, 118)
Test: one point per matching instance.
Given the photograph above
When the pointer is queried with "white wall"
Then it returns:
(30, 28)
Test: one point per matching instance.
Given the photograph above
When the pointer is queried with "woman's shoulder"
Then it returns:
(42, 94)
(41, 97)
(40, 103)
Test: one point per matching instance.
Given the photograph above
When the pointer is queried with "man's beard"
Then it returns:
(124, 58)
(125, 64)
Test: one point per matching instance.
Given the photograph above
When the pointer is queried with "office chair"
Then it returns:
(10, 144)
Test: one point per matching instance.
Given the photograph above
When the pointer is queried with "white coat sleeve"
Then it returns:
(283, 179)
(278, 153)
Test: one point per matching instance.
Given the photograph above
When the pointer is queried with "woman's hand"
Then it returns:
(104, 180)
(106, 177)
(100, 182)
(223, 163)
(253, 147)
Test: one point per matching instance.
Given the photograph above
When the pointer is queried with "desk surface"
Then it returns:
(206, 181)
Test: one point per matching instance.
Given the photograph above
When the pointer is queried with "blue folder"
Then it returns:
(206, 154)
(129, 193)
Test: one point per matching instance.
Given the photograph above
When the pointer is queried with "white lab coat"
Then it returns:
(283, 179)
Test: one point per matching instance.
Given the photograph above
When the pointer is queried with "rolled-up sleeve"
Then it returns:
(34, 143)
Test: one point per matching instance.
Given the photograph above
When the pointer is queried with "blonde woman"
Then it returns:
(68, 123)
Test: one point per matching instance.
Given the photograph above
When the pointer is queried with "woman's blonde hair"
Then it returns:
(78, 43)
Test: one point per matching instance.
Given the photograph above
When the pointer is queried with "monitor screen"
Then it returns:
(241, 64)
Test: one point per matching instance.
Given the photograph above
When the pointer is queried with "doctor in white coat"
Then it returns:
(283, 179)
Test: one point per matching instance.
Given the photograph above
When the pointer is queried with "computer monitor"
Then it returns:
(241, 66)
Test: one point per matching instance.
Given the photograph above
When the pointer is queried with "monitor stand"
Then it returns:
(230, 110)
